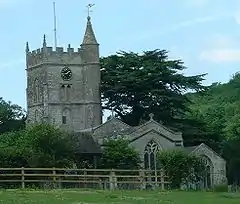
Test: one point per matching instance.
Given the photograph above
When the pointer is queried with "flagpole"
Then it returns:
(55, 25)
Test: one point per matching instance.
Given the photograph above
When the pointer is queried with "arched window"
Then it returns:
(208, 174)
(62, 92)
(90, 115)
(36, 116)
(65, 92)
(68, 92)
(36, 91)
(150, 155)
(66, 116)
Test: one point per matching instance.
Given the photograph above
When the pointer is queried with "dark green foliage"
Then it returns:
(134, 85)
(12, 117)
(118, 155)
(37, 146)
(219, 108)
(231, 152)
(9, 151)
(180, 167)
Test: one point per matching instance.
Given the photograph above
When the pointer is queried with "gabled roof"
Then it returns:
(152, 125)
(151, 131)
(208, 148)
(160, 125)
(113, 120)
(190, 149)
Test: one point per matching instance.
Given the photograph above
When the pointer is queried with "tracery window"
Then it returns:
(150, 155)
(65, 92)
(208, 174)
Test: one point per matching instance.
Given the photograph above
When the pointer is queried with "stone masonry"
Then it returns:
(73, 104)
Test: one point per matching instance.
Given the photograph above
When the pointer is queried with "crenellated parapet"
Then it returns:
(46, 55)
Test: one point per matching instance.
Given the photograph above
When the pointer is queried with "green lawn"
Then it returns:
(117, 197)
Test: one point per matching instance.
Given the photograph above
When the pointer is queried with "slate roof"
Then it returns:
(85, 144)
(190, 149)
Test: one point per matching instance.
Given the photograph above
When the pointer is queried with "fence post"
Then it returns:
(54, 177)
(23, 178)
(142, 179)
(162, 180)
(85, 175)
(112, 180)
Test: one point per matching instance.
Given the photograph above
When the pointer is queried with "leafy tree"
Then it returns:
(37, 146)
(232, 128)
(117, 154)
(219, 109)
(134, 85)
(180, 167)
(9, 152)
(197, 131)
(46, 146)
(12, 117)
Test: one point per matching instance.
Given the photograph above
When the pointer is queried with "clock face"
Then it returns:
(66, 74)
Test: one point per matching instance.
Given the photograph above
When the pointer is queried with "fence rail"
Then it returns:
(82, 178)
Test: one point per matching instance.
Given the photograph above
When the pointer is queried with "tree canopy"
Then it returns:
(36, 146)
(118, 154)
(12, 116)
(135, 85)
(219, 108)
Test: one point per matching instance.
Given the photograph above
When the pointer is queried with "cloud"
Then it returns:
(218, 40)
(193, 22)
(221, 48)
(221, 55)
(176, 27)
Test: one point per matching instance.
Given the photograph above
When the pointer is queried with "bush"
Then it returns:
(180, 167)
(117, 154)
(36, 146)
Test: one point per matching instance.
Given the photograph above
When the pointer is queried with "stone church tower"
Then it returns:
(63, 87)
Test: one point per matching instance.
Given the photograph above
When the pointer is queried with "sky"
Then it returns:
(205, 34)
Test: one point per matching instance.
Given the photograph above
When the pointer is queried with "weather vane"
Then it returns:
(89, 6)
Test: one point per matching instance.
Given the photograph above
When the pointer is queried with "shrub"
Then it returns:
(36, 146)
(180, 167)
(117, 154)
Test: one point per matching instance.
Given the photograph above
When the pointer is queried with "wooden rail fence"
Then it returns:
(82, 178)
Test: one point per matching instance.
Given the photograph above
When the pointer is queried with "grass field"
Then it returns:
(116, 197)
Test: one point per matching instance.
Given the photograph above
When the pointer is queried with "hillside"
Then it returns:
(219, 108)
